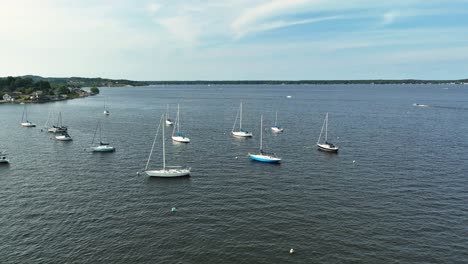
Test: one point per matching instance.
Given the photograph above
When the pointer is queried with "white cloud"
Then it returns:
(182, 28)
(389, 17)
(256, 18)
(153, 8)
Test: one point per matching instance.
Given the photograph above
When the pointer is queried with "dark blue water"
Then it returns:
(404, 200)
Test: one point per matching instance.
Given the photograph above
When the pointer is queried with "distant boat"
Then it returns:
(106, 112)
(241, 132)
(179, 137)
(64, 136)
(169, 121)
(59, 128)
(421, 105)
(277, 128)
(166, 171)
(325, 145)
(24, 119)
(3, 159)
(264, 156)
(102, 147)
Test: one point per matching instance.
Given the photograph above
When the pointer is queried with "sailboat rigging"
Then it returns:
(264, 156)
(179, 137)
(325, 145)
(166, 171)
(276, 128)
(24, 119)
(241, 132)
(102, 147)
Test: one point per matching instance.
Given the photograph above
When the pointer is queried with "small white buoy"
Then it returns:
(291, 251)
(173, 209)
(236, 157)
(288, 96)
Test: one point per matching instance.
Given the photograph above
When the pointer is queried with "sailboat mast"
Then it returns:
(164, 148)
(240, 119)
(100, 133)
(276, 118)
(24, 111)
(261, 133)
(326, 127)
(178, 119)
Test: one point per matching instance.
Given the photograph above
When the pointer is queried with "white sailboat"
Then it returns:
(102, 147)
(179, 137)
(264, 156)
(3, 158)
(59, 128)
(64, 136)
(241, 132)
(106, 112)
(166, 171)
(277, 128)
(24, 119)
(169, 121)
(325, 145)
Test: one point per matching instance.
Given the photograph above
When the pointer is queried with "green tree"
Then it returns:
(94, 90)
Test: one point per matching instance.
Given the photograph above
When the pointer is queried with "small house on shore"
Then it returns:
(10, 97)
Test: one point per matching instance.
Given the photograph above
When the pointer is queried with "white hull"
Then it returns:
(327, 147)
(4, 160)
(277, 129)
(56, 130)
(264, 158)
(106, 112)
(241, 134)
(104, 148)
(168, 173)
(63, 138)
(169, 123)
(181, 139)
(28, 124)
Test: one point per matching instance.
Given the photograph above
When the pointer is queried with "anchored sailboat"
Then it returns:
(264, 156)
(24, 119)
(277, 128)
(325, 145)
(102, 147)
(179, 137)
(241, 132)
(166, 171)
(59, 128)
(169, 121)
(106, 112)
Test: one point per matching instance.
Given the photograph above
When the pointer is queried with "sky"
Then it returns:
(235, 39)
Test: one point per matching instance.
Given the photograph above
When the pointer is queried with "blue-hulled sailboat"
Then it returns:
(264, 156)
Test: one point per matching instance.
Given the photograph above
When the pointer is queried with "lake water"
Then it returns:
(403, 200)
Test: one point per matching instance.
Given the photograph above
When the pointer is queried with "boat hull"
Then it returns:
(56, 130)
(63, 138)
(106, 112)
(28, 124)
(264, 158)
(3, 160)
(327, 147)
(181, 139)
(241, 134)
(103, 149)
(277, 129)
(169, 123)
(168, 173)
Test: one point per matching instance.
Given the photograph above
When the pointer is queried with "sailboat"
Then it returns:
(106, 112)
(64, 136)
(102, 147)
(166, 171)
(325, 145)
(24, 119)
(264, 156)
(3, 159)
(59, 128)
(179, 137)
(169, 121)
(241, 132)
(277, 128)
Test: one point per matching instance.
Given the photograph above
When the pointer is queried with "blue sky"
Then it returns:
(235, 39)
